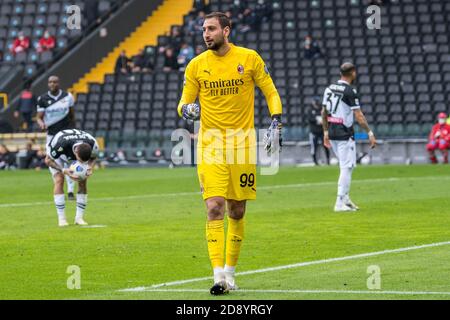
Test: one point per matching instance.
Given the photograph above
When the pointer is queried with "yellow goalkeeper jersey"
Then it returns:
(225, 86)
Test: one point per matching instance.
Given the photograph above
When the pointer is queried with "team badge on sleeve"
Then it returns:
(240, 68)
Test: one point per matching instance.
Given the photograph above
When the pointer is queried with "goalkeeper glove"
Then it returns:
(190, 111)
(272, 133)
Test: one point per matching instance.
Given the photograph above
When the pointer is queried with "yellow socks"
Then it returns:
(215, 235)
(235, 235)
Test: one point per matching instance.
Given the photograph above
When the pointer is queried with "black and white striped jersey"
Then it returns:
(56, 110)
(64, 142)
(340, 99)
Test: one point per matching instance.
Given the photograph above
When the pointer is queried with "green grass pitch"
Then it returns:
(154, 230)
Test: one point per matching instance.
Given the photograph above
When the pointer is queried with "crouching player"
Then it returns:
(65, 147)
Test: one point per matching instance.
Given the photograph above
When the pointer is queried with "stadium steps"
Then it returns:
(169, 13)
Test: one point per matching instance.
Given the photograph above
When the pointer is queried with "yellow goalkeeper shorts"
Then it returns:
(230, 181)
(235, 180)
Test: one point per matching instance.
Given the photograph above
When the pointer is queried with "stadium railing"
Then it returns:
(388, 151)
(18, 141)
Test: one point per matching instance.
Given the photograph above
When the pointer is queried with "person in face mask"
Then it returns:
(47, 42)
(312, 48)
(20, 44)
(439, 138)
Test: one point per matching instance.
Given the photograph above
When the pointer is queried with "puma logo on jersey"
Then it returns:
(208, 72)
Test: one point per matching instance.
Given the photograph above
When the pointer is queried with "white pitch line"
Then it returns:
(153, 195)
(180, 194)
(291, 266)
(94, 226)
(387, 292)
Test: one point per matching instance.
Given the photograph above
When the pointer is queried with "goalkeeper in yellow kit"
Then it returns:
(224, 79)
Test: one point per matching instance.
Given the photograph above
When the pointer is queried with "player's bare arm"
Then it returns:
(91, 164)
(40, 120)
(361, 119)
(52, 164)
(326, 138)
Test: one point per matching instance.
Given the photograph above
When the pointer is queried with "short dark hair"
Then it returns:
(347, 68)
(224, 21)
(84, 151)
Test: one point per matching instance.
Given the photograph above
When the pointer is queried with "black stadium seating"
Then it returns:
(33, 17)
(403, 68)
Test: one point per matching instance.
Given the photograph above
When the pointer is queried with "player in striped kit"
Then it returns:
(55, 113)
(340, 107)
(65, 147)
